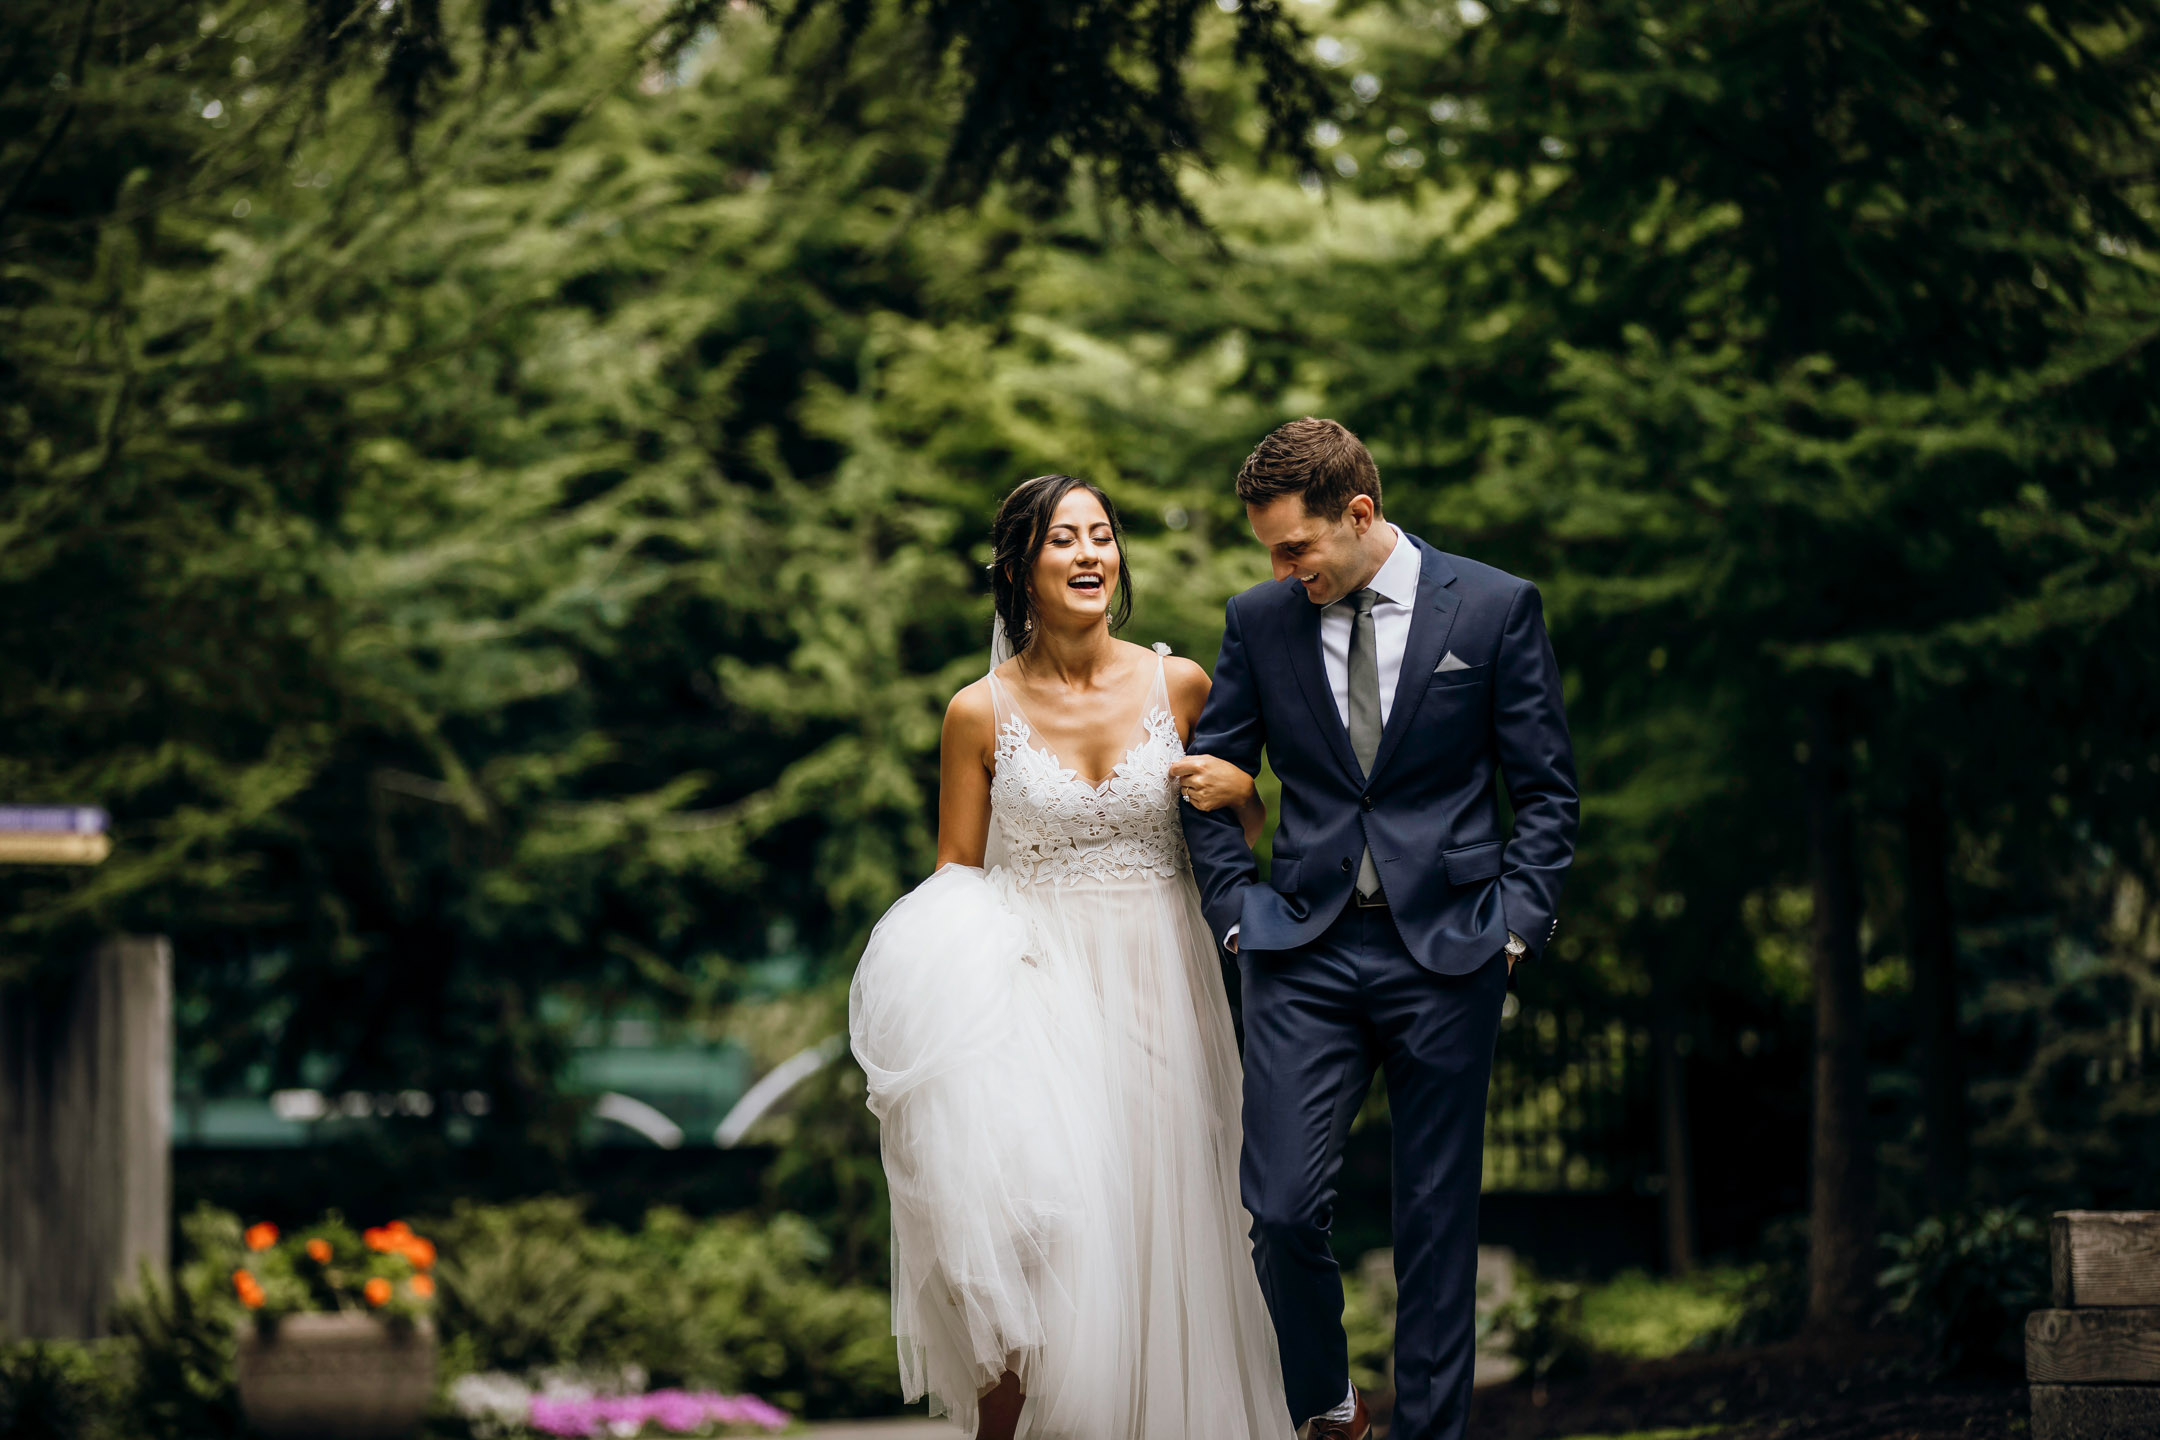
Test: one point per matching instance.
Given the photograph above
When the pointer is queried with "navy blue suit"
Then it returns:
(1332, 990)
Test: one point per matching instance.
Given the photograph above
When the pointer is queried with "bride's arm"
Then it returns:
(963, 831)
(1206, 782)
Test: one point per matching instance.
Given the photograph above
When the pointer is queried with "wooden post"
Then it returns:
(85, 1138)
(2094, 1359)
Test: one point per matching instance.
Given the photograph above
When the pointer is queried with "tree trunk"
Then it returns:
(1673, 1146)
(1841, 1236)
(1935, 989)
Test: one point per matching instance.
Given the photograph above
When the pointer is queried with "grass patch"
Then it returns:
(1647, 1317)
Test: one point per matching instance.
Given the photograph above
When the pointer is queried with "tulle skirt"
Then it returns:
(1057, 1085)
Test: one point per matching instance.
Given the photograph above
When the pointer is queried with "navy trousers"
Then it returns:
(1318, 1020)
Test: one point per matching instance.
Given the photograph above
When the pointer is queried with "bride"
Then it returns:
(1043, 1027)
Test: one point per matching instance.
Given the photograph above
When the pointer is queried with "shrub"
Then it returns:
(55, 1391)
(729, 1304)
(1965, 1282)
(1541, 1326)
(325, 1267)
(1369, 1321)
(180, 1342)
(1773, 1297)
(1647, 1317)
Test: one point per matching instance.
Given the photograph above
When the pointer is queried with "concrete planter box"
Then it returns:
(337, 1377)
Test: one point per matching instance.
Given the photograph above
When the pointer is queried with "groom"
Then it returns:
(1394, 689)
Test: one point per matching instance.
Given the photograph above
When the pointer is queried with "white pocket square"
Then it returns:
(1449, 661)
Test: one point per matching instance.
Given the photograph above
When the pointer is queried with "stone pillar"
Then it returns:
(85, 1138)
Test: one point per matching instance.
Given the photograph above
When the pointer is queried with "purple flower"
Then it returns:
(680, 1412)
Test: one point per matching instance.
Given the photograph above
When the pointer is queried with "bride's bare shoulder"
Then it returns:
(1187, 683)
(972, 710)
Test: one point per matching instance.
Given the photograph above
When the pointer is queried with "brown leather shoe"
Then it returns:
(1357, 1427)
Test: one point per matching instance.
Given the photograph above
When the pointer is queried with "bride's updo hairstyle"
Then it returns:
(1017, 537)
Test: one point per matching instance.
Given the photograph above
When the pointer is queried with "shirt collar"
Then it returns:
(1397, 579)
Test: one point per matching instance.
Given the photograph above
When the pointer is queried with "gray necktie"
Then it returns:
(1365, 709)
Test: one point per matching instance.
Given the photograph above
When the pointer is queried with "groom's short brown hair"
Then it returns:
(1319, 459)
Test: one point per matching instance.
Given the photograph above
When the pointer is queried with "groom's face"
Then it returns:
(1327, 557)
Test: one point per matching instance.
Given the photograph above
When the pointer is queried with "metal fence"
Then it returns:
(2131, 1050)
(1572, 1106)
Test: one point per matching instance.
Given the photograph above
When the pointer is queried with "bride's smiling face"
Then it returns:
(1076, 571)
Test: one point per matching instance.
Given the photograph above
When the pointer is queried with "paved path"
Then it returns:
(1495, 1283)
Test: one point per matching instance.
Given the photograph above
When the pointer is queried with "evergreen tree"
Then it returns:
(1759, 345)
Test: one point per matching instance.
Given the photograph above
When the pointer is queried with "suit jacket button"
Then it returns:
(1346, 865)
(1366, 801)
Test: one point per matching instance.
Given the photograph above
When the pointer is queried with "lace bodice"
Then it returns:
(1058, 829)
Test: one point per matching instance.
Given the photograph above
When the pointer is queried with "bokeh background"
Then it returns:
(493, 501)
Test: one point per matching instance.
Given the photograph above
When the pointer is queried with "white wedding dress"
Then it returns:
(1050, 1058)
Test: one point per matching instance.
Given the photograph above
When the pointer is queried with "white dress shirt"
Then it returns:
(1395, 592)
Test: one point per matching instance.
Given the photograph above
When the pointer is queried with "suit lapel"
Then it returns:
(1301, 635)
(1430, 623)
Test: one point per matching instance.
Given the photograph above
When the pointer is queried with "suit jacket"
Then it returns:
(1456, 882)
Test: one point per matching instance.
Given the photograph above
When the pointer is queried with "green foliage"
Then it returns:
(1107, 90)
(51, 1391)
(1829, 436)
(830, 1171)
(733, 1304)
(727, 1304)
(1647, 1317)
(1773, 1292)
(1369, 1321)
(1966, 1282)
(2080, 1117)
(328, 1266)
(183, 1340)
(1541, 1326)
(403, 623)
(515, 547)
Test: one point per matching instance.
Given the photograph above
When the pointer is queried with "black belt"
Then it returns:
(1375, 901)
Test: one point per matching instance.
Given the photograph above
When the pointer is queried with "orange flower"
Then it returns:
(376, 1238)
(248, 1288)
(377, 1291)
(423, 1286)
(318, 1250)
(420, 1251)
(261, 1235)
(398, 1228)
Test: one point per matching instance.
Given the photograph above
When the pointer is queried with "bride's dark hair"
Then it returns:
(1016, 539)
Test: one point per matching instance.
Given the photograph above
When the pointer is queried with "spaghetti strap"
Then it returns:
(1159, 697)
(1004, 709)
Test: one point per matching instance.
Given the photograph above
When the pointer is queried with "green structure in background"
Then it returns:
(644, 1078)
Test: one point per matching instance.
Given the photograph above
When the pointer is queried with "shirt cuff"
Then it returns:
(1229, 941)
